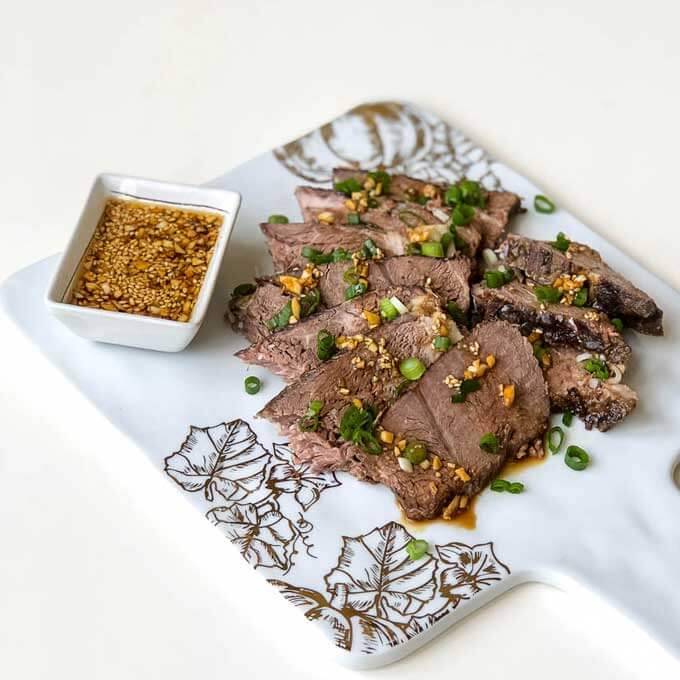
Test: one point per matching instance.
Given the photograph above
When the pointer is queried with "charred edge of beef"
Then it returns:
(609, 291)
(292, 352)
(571, 388)
(561, 324)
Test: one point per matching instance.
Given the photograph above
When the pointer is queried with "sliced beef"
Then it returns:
(561, 324)
(292, 352)
(402, 187)
(447, 278)
(338, 382)
(286, 241)
(451, 432)
(609, 291)
(571, 388)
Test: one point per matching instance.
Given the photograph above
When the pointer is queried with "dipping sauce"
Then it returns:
(147, 258)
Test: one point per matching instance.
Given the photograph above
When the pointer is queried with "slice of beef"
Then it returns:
(292, 352)
(447, 278)
(452, 432)
(490, 222)
(561, 324)
(286, 241)
(339, 381)
(609, 291)
(571, 388)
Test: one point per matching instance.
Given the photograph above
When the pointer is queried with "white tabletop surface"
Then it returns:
(582, 98)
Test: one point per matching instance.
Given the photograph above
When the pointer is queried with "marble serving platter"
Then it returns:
(612, 529)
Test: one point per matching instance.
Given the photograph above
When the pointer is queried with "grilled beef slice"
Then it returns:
(447, 278)
(490, 222)
(609, 291)
(571, 388)
(425, 413)
(292, 352)
(561, 324)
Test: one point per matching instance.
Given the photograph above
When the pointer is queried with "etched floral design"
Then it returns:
(225, 459)
(469, 569)
(286, 477)
(378, 596)
(397, 136)
(263, 535)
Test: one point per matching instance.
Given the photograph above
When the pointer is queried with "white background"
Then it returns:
(103, 573)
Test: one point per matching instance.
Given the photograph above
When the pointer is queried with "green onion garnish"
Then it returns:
(432, 249)
(489, 443)
(252, 384)
(387, 310)
(467, 386)
(446, 240)
(356, 426)
(442, 343)
(367, 442)
(353, 218)
(325, 345)
(421, 200)
(542, 204)
(412, 368)
(496, 278)
(350, 276)
(576, 458)
(597, 368)
(453, 195)
(310, 421)
(281, 319)
(309, 302)
(244, 289)
(516, 487)
(415, 452)
(567, 418)
(580, 298)
(554, 445)
(561, 242)
(413, 249)
(277, 219)
(456, 313)
(547, 294)
(318, 257)
(501, 485)
(348, 186)
(381, 177)
(355, 290)
(417, 548)
(618, 324)
(315, 407)
(369, 248)
(462, 214)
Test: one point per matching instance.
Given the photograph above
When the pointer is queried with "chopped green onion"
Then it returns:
(576, 458)
(442, 343)
(348, 186)
(318, 257)
(417, 548)
(580, 298)
(567, 418)
(453, 195)
(515, 487)
(367, 442)
(499, 485)
(281, 319)
(489, 443)
(252, 384)
(309, 302)
(380, 176)
(355, 290)
(353, 218)
(387, 310)
(356, 426)
(244, 289)
(553, 445)
(547, 294)
(456, 313)
(446, 241)
(369, 248)
(618, 324)
(308, 423)
(462, 214)
(421, 200)
(413, 219)
(542, 204)
(467, 386)
(597, 368)
(413, 249)
(415, 452)
(412, 368)
(277, 219)
(561, 242)
(432, 249)
(325, 345)
(315, 407)
(458, 240)
(400, 306)
(350, 276)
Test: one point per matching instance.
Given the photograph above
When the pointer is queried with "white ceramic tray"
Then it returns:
(613, 528)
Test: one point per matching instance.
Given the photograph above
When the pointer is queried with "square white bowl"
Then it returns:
(136, 330)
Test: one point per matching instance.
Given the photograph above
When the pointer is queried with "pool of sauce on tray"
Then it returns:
(468, 519)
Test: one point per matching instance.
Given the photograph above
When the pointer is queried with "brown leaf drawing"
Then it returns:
(378, 573)
(347, 628)
(225, 459)
(470, 570)
(298, 479)
(263, 535)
